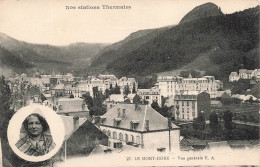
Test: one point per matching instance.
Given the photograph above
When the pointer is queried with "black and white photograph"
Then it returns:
(129, 83)
(35, 133)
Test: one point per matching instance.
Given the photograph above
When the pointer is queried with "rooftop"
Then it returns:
(141, 114)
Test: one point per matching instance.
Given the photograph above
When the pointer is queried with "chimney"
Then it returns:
(75, 122)
(123, 113)
(147, 125)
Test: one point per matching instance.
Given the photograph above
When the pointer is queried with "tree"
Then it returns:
(137, 100)
(116, 90)
(228, 119)
(126, 90)
(213, 123)
(95, 92)
(134, 91)
(163, 100)
(107, 93)
(43, 98)
(199, 122)
(88, 100)
(155, 105)
(213, 120)
(5, 102)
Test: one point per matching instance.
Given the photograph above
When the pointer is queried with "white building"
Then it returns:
(139, 126)
(233, 77)
(188, 105)
(72, 107)
(131, 82)
(150, 95)
(245, 74)
(113, 100)
(171, 85)
(89, 84)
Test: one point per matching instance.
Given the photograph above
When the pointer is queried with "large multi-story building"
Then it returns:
(171, 85)
(150, 95)
(188, 105)
(72, 107)
(131, 82)
(136, 125)
(88, 85)
(245, 74)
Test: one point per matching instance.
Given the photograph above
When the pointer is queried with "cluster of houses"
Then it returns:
(126, 124)
(245, 74)
(63, 93)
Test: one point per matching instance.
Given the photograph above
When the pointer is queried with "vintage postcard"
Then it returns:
(129, 83)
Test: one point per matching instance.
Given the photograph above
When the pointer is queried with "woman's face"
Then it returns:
(34, 126)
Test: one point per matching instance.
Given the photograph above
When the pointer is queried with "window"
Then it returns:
(187, 110)
(114, 135)
(137, 139)
(120, 136)
(109, 133)
(126, 137)
(60, 107)
(132, 138)
(118, 113)
(182, 116)
(182, 103)
(187, 103)
(182, 110)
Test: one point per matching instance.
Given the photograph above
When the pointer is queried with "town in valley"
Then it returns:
(186, 88)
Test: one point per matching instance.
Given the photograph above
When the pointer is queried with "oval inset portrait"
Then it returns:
(35, 133)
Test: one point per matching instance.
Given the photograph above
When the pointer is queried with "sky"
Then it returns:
(49, 22)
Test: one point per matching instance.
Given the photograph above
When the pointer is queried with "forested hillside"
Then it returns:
(229, 42)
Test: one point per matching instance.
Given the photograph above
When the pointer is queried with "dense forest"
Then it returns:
(231, 40)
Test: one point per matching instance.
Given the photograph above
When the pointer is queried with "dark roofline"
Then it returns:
(151, 131)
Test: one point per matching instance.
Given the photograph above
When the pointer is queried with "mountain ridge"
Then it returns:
(43, 56)
(202, 11)
(233, 37)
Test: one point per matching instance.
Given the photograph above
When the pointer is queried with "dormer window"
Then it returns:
(134, 124)
(117, 121)
(102, 119)
(60, 107)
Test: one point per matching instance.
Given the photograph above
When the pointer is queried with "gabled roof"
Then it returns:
(141, 114)
(59, 87)
(69, 125)
(221, 93)
(233, 74)
(45, 80)
(131, 96)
